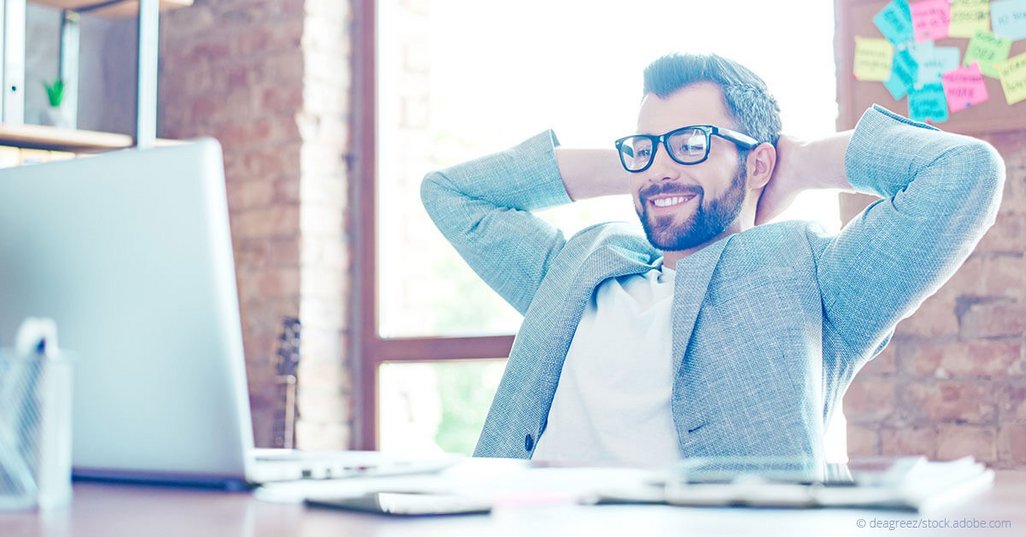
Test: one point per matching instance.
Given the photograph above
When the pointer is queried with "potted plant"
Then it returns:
(55, 114)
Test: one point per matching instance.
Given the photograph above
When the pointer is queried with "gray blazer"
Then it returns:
(769, 325)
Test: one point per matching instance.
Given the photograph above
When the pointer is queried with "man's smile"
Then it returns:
(668, 202)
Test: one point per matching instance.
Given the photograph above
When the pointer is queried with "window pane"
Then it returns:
(435, 407)
(462, 78)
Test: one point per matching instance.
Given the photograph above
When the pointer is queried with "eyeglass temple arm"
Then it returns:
(737, 137)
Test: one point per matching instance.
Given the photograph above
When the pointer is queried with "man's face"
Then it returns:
(684, 206)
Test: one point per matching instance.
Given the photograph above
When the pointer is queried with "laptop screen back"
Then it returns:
(130, 253)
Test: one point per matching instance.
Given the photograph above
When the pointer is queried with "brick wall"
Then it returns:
(270, 80)
(953, 380)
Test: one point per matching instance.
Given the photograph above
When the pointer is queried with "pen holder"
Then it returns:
(35, 430)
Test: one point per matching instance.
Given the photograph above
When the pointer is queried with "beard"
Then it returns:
(708, 221)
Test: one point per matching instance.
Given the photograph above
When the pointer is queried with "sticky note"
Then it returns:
(895, 22)
(935, 61)
(1008, 19)
(987, 49)
(904, 74)
(969, 17)
(873, 59)
(964, 87)
(1013, 78)
(928, 104)
(930, 19)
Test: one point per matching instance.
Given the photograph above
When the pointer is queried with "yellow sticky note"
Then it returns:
(1013, 78)
(969, 17)
(873, 59)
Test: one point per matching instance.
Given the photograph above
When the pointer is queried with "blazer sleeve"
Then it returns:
(483, 207)
(941, 192)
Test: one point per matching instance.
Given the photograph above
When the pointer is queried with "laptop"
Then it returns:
(130, 253)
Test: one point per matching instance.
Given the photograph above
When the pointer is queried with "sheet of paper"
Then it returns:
(964, 87)
(969, 17)
(928, 103)
(1013, 78)
(930, 19)
(988, 50)
(936, 61)
(904, 73)
(895, 22)
(873, 59)
(1008, 18)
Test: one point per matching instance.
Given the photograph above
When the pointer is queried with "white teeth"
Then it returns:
(667, 202)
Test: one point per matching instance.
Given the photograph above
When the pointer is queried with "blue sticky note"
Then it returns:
(934, 62)
(1008, 19)
(895, 22)
(904, 74)
(928, 103)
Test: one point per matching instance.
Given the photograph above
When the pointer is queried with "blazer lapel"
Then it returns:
(690, 287)
(603, 263)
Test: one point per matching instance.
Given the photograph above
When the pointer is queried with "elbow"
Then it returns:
(977, 179)
(988, 177)
(431, 190)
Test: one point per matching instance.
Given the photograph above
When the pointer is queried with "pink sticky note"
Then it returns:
(930, 19)
(964, 87)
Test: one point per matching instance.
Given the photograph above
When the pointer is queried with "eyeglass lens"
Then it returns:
(686, 145)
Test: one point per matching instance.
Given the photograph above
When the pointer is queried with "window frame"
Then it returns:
(368, 347)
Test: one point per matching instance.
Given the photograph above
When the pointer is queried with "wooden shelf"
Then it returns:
(53, 138)
(125, 8)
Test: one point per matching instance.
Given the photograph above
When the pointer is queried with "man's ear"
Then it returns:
(760, 165)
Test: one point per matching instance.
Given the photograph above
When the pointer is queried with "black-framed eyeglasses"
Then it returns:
(686, 145)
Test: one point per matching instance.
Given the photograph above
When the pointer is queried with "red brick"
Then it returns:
(213, 48)
(276, 221)
(862, 441)
(250, 195)
(1005, 275)
(284, 252)
(883, 363)
(947, 359)
(948, 401)
(281, 99)
(278, 282)
(869, 399)
(1012, 402)
(909, 441)
(955, 441)
(1007, 235)
(994, 319)
(935, 318)
(968, 280)
(1012, 444)
(251, 253)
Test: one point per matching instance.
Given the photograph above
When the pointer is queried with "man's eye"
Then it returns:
(644, 153)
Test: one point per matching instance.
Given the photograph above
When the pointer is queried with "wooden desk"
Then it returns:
(101, 510)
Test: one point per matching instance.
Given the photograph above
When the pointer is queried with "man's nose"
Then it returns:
(663, 167)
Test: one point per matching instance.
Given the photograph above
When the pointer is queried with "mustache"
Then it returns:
(668, 188)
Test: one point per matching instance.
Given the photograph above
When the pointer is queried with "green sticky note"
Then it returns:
(873, 58)
(1013, 78)
(969, 17)
(988, 50)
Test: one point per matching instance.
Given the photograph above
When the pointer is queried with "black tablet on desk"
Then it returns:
(405, 504)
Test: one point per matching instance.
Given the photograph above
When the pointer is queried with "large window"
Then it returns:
(457, 79)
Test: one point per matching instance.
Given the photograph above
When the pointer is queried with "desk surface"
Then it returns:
(106, 510)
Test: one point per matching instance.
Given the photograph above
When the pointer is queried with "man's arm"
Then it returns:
(590, 173)
(483, 208)
(940, 193)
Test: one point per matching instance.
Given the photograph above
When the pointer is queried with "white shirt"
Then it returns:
(612, 404)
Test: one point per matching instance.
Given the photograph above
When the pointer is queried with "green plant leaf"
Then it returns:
(55, 92)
